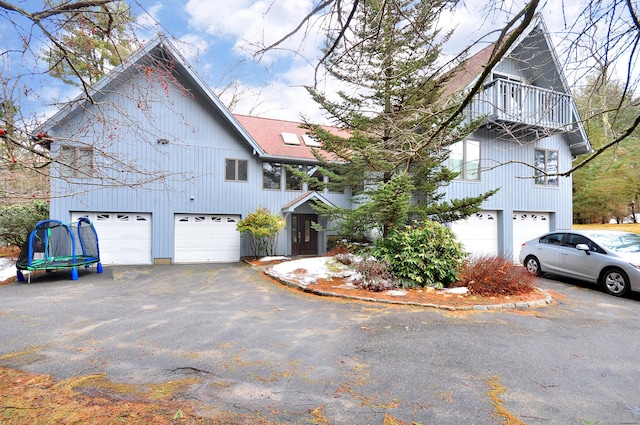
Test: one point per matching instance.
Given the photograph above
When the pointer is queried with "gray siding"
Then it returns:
(502, 164)
(190, 165)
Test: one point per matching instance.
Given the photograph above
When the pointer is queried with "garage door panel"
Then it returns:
(528, 225)
(124, 238)
(206, 238)
(478, 233)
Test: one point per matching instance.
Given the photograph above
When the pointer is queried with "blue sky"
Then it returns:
(225, 33)
(218, 37)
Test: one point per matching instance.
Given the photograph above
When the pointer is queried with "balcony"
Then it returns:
(522, 110)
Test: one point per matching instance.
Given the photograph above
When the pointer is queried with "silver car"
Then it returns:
(607, 258)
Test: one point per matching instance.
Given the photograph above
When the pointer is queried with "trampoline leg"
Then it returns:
(99, 267)
(20, 276)
(74, 273)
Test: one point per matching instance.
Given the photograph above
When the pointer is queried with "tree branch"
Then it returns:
(502, 45)
(603, 148)
(306, 19)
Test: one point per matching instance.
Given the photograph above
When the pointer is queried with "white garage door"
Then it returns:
(478, 233)
(203, 238)
(123, 238)
(528, 225)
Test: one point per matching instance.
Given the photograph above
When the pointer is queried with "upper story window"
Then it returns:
(513, 78)
(464, 158)
(235, 170)
(510, 96)
(292, 181)
(546, 162)
(318, 184)
(76, 161)
(271, 175)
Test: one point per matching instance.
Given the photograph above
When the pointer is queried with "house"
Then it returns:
(165, 171)
(531, 119)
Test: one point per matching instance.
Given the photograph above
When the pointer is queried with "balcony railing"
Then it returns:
(523, 106)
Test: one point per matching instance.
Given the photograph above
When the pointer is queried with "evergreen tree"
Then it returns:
(95, 40)
(391, 104)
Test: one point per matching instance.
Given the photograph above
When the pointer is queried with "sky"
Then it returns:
(223, 35)
(219, 38)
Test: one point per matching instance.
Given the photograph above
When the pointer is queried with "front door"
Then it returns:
(304, 238)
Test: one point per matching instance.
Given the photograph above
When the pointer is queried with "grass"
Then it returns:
(631, 227)
(496, 390)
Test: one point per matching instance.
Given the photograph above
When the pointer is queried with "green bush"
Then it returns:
(17, 221)
(262, 227)
(424, 255)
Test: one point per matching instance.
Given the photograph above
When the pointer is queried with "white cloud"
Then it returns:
(150, 18)
(147, 23)
(251, 23)
(191, 46)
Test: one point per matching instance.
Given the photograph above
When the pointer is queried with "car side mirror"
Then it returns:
(583, 247)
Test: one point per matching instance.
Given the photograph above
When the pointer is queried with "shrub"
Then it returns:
(491, 275)
(337, 250)
(425, 255)
(17, 221)
(343, 245)
(262, 227)
(376, 275)
(346, 259)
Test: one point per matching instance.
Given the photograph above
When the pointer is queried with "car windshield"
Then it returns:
(619, 242)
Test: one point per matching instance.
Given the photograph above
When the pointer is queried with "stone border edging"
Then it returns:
(479, 307)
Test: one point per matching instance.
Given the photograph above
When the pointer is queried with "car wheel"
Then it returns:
(615, 282)
(533, 265)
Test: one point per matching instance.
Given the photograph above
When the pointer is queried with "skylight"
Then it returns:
(310, 141)
(290, 139)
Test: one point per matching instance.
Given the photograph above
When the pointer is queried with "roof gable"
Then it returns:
(157, 49)
(533, 54)
(532, 49)
(304, 198)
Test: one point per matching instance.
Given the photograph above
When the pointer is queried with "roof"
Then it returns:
(264, 135)
(281, 139)
(304, 198)
(468, 72)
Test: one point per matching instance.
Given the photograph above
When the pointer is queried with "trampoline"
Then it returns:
(53, 245)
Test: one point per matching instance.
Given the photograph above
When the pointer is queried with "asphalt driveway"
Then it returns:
(271, 351)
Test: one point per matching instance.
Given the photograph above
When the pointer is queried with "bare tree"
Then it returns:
(605, 39)
(604, 35)
(81, 40)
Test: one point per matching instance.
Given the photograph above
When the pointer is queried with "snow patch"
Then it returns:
(7, 268)
(307, 271)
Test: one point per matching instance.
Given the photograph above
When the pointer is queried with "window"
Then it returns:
(552, 239)
(510, 94)
(546, 162)
(271, 175)
(572, 240)
(314, 172)
(76, 161)
(293, 182)
(464, 158)
(235, 170)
